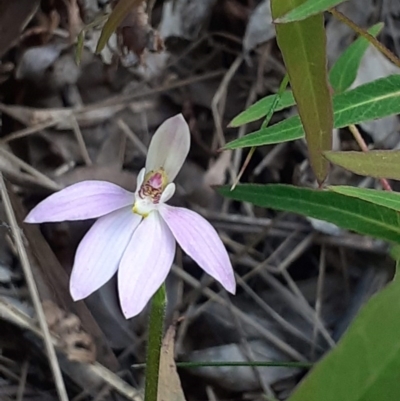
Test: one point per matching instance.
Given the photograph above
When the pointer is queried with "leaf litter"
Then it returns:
(63, 123)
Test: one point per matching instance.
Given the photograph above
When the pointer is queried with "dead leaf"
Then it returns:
(169, 383)
(185, 18)
(260, 28)
(87, 116)
(137, 35)
(216, 174)
(77, 345)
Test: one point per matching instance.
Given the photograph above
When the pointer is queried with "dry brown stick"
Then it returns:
(11, 313)
(29, 131)
(123, 126)
(44, 180)
(81, 143)
(218, 102)
(22, 381)
(319, 296)
(286, 348)
(30, 280)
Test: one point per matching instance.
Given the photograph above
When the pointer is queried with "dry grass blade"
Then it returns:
(42, 179)
(55, 367)
(81, 142)
(219, 100)
(131, 136)
(10, 313)
(22, 382)
(286, 348)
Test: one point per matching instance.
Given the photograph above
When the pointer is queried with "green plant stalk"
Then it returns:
(272, 364)
(156, 326)
(266, 121)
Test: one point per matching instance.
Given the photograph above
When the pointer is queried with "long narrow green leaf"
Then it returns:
(375, 163)
(341, 77)
(377, 99)
(344, 72)
(118, 14)
(346, 212)
(381, 198)
(365, 365)
(307, 9)
(260, 109)
(303, 47)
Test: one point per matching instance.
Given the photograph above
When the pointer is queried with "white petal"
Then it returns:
(81, 201)
(168, 193)
(145, 264)
(101, 250)
(198, 238)
(169, 147)
(140, 179)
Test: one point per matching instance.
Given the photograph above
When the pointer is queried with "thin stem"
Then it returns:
(378, 45)
(282, 87)
(304, 365)
(156, 325)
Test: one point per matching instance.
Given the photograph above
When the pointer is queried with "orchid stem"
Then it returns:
(156, 325)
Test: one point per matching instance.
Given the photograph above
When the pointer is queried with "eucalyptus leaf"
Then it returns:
(342, 75)
(307, 9)
(118, 14)
(344, 72)
(344, 211)
(260, 108)
(303, 47)
(375, 163)
(365, 364)
(387, 199)
(377, 99)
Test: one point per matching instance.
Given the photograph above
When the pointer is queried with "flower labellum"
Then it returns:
(136, 233)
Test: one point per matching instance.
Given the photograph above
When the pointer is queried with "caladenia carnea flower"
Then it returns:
(136, 233)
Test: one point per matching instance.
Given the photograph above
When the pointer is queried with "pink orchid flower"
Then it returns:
(136, 233)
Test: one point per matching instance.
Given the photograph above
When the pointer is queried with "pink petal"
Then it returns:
(101, 250)
(200, 241)
(145, 265)
(169, 147)
(81, 201)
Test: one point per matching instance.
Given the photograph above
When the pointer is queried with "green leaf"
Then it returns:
(377, 99)
(365, 365)
(303, 47)
(395, 254)
(307, 9)
(79, 47)
(344, 71)
(375, 163)
(346, 212)
(341, 77)
(379, 197)
(118, 14)
(260, 109)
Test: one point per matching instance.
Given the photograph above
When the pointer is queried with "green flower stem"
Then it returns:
(156, 325)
